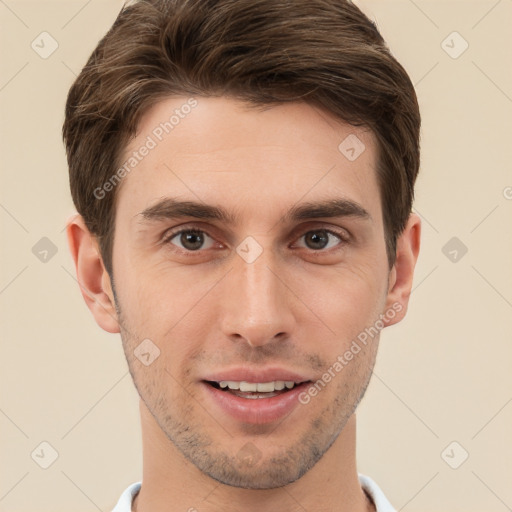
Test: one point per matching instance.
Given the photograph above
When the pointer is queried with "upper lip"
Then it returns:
(257, 375)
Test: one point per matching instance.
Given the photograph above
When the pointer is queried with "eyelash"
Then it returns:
(343, 238)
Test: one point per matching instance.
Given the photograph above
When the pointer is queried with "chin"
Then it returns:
(270, 475)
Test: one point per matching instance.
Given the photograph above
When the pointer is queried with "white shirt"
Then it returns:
(372, 489)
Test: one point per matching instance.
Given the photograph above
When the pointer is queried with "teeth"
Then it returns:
(248, 386)
(263, 387)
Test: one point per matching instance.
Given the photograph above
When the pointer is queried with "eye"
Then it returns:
(190, 239)
(320, 239)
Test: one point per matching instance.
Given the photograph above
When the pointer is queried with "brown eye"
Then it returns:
(316, 239)
(320, 239)
(190, 239)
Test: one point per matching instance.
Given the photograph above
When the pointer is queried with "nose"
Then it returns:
(258, 302)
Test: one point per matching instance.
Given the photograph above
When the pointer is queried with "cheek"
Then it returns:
(172, 308)
(157, 297)
(346, 300)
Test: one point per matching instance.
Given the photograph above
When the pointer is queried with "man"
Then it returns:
(243, 172)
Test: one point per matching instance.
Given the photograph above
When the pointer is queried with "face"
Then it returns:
(249, 248)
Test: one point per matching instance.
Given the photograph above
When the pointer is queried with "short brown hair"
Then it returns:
(265, 52)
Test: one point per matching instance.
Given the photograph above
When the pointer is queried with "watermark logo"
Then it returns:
(352, 147)
(454, 455)
(248, 455)
(249, 250)
(44, 455)
(454, 45)
(454, 249)
(146, 352)
(44, 250)
(44, 45)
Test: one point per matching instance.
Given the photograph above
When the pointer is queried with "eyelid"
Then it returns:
(338, 231)
(169, 234)
(344, 238)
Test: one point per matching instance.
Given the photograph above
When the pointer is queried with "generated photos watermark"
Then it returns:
(344, 359)
(157, 135)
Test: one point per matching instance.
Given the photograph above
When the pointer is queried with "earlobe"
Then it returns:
(92, 277)
(402, 273)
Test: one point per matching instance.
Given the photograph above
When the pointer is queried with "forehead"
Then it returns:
(213, 149)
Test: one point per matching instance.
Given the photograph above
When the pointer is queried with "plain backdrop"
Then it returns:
(435, 424)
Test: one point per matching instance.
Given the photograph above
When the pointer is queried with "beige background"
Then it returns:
(443, 375)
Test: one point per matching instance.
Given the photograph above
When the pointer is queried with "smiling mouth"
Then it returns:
(253, 390)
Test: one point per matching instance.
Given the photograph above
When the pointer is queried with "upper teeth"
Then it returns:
(257, 386)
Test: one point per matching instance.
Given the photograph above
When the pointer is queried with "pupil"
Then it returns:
(313, 237)
(192, 240)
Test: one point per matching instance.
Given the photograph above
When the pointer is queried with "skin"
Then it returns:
(298, 306)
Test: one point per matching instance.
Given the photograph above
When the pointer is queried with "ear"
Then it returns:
(401, 275)
(92, 277)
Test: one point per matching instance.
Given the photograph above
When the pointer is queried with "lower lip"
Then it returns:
(257, 411)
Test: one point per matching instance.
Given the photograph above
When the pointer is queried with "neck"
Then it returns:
(171, 483)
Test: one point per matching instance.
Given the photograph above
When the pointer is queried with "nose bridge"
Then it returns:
(260, 284)
(259, 306)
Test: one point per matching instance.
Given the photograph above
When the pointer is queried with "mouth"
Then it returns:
(255, 390)
(256, 403)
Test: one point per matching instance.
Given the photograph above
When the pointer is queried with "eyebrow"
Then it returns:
(171, 208)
